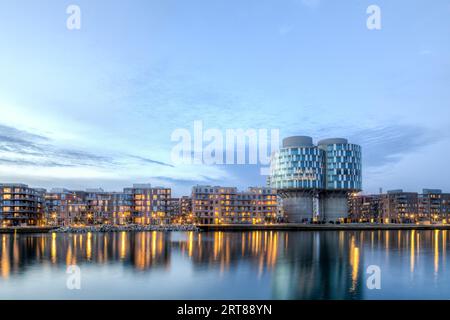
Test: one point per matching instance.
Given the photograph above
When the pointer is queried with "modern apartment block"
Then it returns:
(397, 206)
(98, 205)
(21, 205)
(365, 208)
(64, 207)
(185, 205)
(226, 205)
(185, 209)
(434, 204)
(120, 208)
(150, 205)
(315, 180)
(140, 204)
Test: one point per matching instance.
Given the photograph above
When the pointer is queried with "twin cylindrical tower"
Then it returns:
(315, 180)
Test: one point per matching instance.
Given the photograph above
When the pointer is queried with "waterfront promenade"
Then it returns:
(320, 227)
(237, 227)
(26, 229)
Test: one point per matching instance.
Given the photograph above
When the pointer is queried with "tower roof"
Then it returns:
(297, 141)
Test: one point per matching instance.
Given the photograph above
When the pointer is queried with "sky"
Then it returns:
(96, 107)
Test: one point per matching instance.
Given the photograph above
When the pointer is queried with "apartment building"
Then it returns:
(185, 208)
(141, 204)
(365, 208)
(434, 205)
(120, 206)
(400, 207)
(21, 205)
(397, 206)
(64, 207)
(149, 205)
(222, 205)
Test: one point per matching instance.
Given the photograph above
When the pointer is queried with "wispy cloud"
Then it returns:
(21, 148)
(147, 160)
(388, 144)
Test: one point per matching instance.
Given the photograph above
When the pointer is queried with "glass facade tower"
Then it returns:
(314, 180)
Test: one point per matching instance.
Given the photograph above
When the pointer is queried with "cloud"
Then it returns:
(389, 144)
(186, 181)
(147, 160)
(21, 148)
(20, 162)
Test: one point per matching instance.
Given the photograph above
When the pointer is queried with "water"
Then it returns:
(222, 265)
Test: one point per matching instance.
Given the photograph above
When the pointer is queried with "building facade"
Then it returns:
(366, 208)
(398, 206)
(150, 205)
(434, 205)
(185, 208)
(226, 205)
(64, 207)
(21, 205)
(140, 204)
(315, 180)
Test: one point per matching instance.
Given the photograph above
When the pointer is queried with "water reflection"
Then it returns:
(288, 265)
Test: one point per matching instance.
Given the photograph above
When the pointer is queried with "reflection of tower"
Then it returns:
(319, 266)
(314, 181)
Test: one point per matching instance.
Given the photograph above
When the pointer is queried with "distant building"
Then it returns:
(185, 208)
(140, 204)
(223, 205)
(120, 208)
(64, 207)
(397, 206)
(400, 206)
(98, 205)
(434, 205)
(174, 209)
(21, 205)
(366, 208)
(150, 205)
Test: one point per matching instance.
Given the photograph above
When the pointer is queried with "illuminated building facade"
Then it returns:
(366, 208)
(397, 206)
(120, 208)
(434, 205)
(98, 204)
(226, 205)
(64, 207)
(174, 209)
(315, 180)
(141, 204)
(21, 205)
(185, 209)
(150, 205)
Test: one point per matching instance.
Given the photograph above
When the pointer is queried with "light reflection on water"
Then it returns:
(220, 265)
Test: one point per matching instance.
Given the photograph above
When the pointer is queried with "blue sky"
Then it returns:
(97, 106)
